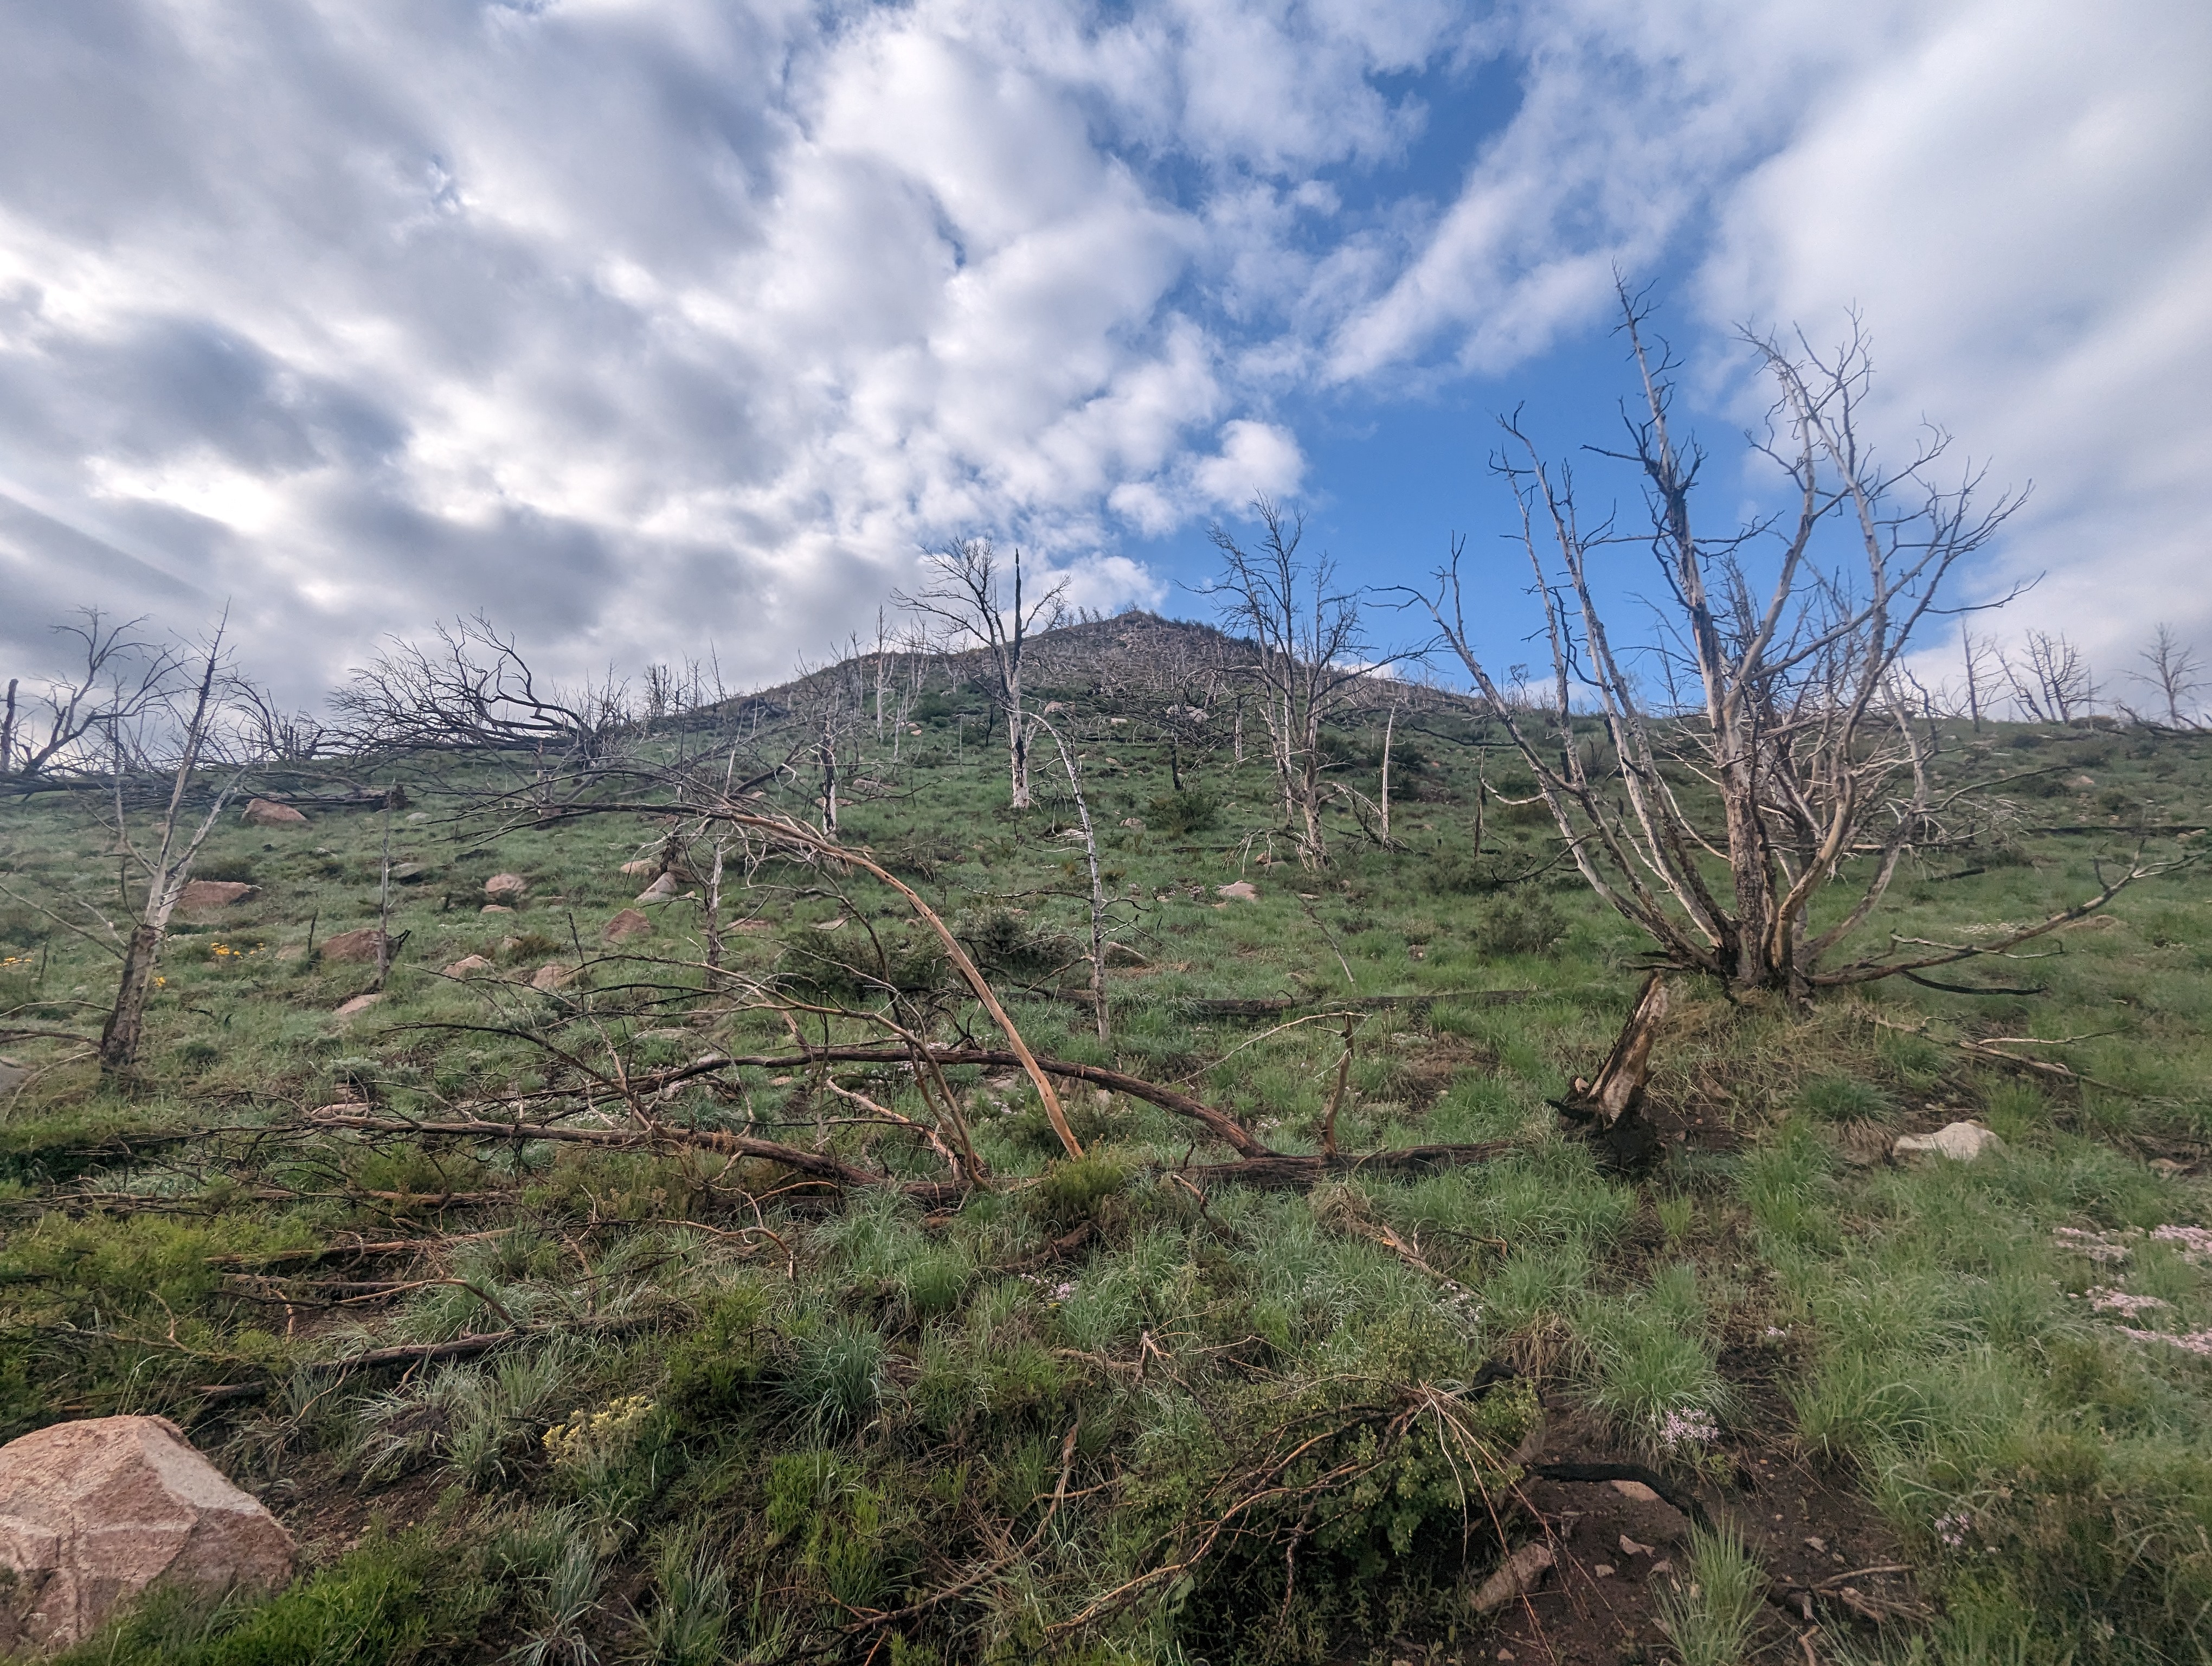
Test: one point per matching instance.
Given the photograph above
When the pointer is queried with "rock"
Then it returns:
(1637, 1491)
(659, 891)
(1962, 1142)
(1054, 708)
(200, 894)
(263, 812)
(94, 1511)
(359, 1004)
(411, 873)
(357, 945)
(1630, 1548)
(640, 869)
(551, 977)
(1519, 1574)
(1238, 890)
(469, 966)
(495, 908)
(1134, 823)
(509, 886)
(628, 923)
(419, 815)
(838, 924)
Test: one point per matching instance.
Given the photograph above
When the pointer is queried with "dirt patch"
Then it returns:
(1619, 1549)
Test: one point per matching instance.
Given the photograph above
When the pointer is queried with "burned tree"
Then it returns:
(1790, 750)
(1305, 630)
(68, 725)
(966, 596)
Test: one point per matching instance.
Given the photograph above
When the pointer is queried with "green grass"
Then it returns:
(776, 1411)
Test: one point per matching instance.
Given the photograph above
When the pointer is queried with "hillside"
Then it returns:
(592, 1302)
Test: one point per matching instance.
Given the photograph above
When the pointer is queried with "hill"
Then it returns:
(639, 1293)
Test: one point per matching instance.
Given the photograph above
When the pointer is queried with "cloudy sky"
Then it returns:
(650, 325)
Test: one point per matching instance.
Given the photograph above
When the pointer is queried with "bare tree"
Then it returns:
(967, 596)
(2173, 674)
(2050, 679)
(207, 716)
(474, 692)
(1306, 631)
(1982, 664)
(68, 725)
(1786, 638)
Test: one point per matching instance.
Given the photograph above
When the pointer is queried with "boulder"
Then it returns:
(1238, 891)
(203, 894)
(355, 945)
(659, 891)
(642, 868)
(628, 923)
(264, 812)
(551, 977)
(507, 885)
(92, 1513)
(359, 1004)
(1962, 1142)
(468, 966)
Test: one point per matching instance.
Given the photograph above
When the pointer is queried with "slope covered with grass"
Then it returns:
(1111, 1408)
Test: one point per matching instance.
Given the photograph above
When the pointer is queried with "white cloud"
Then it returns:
(641, 324)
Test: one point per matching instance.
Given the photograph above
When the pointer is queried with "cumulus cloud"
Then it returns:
(645, 325)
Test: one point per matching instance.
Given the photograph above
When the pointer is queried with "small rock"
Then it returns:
(1520, 1573)
(1630, 1548)
(628, 923)
(551, 977)
(354, 945)
(1238, 891)
(830, 925)
(468, 966)
(1962, 1142)
(1603, 1569)
(495, 908)
(200, 894)
(410, 874)
(505, 884)
(418, 816)
(1637, 1491)
(1134, 823)
(640, 869)
(659, 891)
(1660, 1567)
(94, 1511)
(263, 813)
(1818, 1543)
(359, 1004)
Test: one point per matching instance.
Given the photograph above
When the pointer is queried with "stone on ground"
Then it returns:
(1962, 1142)
(359, 1004)
(202, 894)
(641, 868)
(495, 908)
(551, 977)
(468, 966)
(1238, 891)
(263, 813)
(628, 923)
(505, 884)
(94, 1511)
(355, 945)
(1520, 1573)
(659, 891)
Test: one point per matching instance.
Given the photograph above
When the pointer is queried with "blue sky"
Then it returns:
(646, 325)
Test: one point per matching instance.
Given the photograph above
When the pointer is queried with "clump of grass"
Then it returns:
(1713, 1609)
(1655, 1377)
(1842, 1099)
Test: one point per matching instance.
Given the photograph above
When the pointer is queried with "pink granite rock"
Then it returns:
(92, 1513)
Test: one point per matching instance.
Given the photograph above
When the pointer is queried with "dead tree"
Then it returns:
(2173, 675)
(1097, 884)
(68, 725)
(2050, 679)
(966, 597)
(202, 713)
(1305, 630)
(1793, 751)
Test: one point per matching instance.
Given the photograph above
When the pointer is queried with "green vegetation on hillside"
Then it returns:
(1113, 1409)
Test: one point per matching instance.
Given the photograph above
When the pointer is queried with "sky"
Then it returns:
(652, 328)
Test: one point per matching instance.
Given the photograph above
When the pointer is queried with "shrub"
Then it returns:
(1186, 811)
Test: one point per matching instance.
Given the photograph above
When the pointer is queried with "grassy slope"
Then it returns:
(770, 1416)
